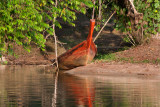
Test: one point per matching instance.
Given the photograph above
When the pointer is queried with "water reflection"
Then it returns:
(26, 86)
(34, 86)
(78, 91)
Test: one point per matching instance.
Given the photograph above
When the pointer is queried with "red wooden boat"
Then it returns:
(80, 54)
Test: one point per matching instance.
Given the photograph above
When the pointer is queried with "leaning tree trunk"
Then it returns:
(135, 17)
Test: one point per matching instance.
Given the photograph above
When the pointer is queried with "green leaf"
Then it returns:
(74, 17)
(129, 23)
(58, 24)
(83, 10)
(10, 51)
(149, 1)
(159, 29)
(50, 31)
(156, 5)
(64, 18)
(44, 25)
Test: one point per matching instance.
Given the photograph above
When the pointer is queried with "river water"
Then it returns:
(36, 86)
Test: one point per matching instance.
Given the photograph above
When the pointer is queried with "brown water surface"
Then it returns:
(34, 86)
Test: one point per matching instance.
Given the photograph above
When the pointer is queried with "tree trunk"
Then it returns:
(135, 17)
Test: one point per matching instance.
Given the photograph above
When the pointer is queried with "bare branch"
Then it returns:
(55, 38)
(94, 1)
(47, 36)
(54, 99)
(130, 38)
(104, 26)
(131, 2)
(100, 8)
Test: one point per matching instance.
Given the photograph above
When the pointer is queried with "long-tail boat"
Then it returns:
(80, 54)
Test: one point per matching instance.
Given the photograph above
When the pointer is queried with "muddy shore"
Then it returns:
(117, 69)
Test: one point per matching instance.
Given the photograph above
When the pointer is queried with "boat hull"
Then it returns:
(79, 55)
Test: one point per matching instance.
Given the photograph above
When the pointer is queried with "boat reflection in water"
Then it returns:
(80, 92)
(33, 86)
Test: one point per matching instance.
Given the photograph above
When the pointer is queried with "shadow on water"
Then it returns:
(33, 86)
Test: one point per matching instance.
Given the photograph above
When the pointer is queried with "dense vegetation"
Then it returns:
(140, 31)
(138, 26)
(24, 22)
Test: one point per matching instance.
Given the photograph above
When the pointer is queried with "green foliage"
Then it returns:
(103, 15)
(148, 26)
(4, 63)
(65, 10)
(26, 21)
(151, 11)
(113, 57)
(20, 23)
(136, 31)
(106, 57)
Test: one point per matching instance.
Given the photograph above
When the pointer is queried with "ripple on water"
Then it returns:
(32, 86)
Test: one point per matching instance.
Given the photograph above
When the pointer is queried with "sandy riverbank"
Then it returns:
(117, 69)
